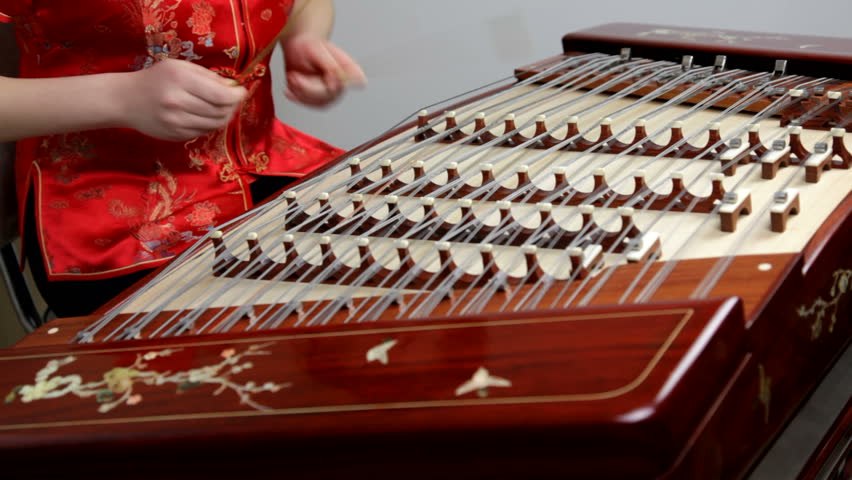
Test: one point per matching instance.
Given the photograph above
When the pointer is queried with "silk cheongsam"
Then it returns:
(110, 202)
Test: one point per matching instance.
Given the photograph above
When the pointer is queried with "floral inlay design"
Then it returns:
(821, 309)
(119, 385)
(480, 382)
(379, 353)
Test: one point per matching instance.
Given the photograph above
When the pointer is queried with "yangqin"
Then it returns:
(630, 260)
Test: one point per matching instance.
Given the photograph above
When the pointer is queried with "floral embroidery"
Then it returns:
(120, 385)
(266, 15)
(152, 224)
(209, 149)
(91, 194)
(160, 24)
(228, 173)
(281, 145)
(119, 210)
(260, 161)
(249, 112)
(203, 214)
(164, 192)
(233, 52)
(68, 153)
(201, 23)
(59, 204)
(155, 230)
(103, 242)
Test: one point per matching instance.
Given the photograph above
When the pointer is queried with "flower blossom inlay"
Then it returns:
(120, 384)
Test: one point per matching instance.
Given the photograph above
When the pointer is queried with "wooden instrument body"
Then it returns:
(675, 388)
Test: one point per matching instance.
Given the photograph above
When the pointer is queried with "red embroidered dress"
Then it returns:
(110, 202)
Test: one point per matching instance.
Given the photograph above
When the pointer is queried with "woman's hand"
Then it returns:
(317, 71)
(178, 100)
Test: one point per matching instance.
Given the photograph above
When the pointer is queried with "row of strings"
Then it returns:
(575, 74)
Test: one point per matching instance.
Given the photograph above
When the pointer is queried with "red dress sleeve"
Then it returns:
(9, 9)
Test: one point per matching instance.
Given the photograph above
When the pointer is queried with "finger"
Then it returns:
(323, 62)
(196, 106)
(183, 134)
(307, 98)
(195, 122)
(310, 90)
(188, 134)
(215, 91)
(352, 72)
(210, 74)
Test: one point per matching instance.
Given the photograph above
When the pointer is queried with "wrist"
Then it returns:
(114, 103)
(301, 38)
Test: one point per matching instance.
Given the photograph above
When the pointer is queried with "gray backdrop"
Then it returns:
(417, 52)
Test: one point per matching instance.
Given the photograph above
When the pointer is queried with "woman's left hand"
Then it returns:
(318, 72)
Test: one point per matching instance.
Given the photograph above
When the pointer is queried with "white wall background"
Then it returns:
(418, 52)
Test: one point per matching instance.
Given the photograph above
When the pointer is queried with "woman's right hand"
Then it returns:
(177, 100)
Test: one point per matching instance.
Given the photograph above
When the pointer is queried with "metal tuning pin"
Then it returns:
(780, 68)
(686, 63)
(626, 54)
(720, 63)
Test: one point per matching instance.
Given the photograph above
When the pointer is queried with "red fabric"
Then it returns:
(110, 202)
(9, 9)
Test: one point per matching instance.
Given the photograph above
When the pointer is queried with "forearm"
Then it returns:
(312, 17)
(36, 107)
